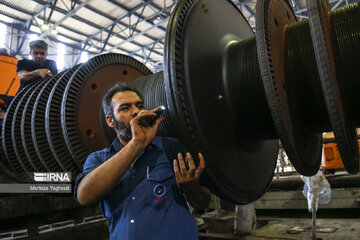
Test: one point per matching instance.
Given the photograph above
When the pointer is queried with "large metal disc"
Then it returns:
(345, 133)
(153, 92)
(23, 161)
(197, 37)
(29, 146)
(346, 29)
(7, 140)
(302, 146)
(53, 122)
(38, 130)
(82, 118)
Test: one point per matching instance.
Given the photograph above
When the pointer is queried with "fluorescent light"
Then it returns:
(60, 56)
(84, 57)
(157, 20)
(44, 27)
(147, 64)
(33, 37)
(2, 35)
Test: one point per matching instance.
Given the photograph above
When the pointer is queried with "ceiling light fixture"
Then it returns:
(44, 27)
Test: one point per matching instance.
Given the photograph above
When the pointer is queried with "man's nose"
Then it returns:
(136, 111)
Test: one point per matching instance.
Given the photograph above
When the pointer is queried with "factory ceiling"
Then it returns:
(136, 28)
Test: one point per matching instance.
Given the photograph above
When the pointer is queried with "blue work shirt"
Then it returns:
(146, 203)
(30, 66)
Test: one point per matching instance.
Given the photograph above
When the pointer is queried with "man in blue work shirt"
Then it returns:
(37, 68)
(138, 180)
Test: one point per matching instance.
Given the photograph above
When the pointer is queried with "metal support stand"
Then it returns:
(314, 223)
(244, 219)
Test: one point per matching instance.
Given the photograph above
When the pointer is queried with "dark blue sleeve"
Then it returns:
(21, 65)
(92, 162)
(53, 67)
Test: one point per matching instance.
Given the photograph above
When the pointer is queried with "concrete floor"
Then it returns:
(267, 228)
(297, 228)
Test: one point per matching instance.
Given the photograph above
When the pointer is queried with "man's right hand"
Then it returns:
(27, 76)
(142, 134)
(43, 73)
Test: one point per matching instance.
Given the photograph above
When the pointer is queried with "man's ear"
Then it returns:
(109, 121)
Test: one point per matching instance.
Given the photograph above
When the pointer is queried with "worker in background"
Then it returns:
(142, 180)
(37, 68)
(4, 52)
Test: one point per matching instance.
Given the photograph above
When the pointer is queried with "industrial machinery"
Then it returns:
(9, 82)
(331, 160)
(230, 95)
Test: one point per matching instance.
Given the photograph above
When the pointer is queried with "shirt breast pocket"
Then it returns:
(160, 181)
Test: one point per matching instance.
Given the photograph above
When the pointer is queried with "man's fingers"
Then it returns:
(201, 166)
(198, 172)
(156, 109)
(202, 160)
(181, 170)
(157, 122)
(191, 164)
(144, 113)
(176, 170)
(144, 117)
(182, 164)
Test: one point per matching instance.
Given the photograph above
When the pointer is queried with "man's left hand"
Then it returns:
(187, 176)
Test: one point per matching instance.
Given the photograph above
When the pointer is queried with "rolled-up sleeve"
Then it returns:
(20, 66)
(92, 162)
(53, 67)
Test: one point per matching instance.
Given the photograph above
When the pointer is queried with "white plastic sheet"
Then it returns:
(316, 190)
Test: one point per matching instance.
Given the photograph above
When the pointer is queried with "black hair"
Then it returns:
(38, 44)
(3, 52)
(118, 87)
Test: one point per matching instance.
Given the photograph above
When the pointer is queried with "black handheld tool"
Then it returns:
(149, 121)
